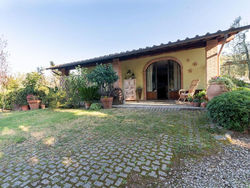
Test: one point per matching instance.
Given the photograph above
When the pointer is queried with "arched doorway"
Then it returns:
(163, 79)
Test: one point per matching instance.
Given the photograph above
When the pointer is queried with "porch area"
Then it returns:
(158, 105)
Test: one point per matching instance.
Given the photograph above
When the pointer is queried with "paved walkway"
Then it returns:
(86, 162)
(103, 163)
(165, 105)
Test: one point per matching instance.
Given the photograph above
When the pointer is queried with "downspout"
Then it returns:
(218, 55)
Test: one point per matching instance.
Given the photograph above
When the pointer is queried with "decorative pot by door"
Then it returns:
(215, 89)
(130, 89)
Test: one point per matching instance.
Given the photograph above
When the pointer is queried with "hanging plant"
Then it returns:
(129, 75)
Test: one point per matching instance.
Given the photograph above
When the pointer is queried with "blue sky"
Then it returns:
(39, 31)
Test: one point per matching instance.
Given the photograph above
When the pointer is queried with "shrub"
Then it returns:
(201, 95)
(21, 97)
(241, 89)
(231, 110)
(89, 94)
(72, 83)
(190, 98)
(237, 82)
(103, 76)
(43, 92)
(32, 81)
(223, 80)
(95, 106)
(56, 98)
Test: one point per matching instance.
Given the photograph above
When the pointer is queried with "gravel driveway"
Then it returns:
(229, 168)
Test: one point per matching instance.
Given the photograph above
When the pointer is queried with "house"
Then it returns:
(164, 69)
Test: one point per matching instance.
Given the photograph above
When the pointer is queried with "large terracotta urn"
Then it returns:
(215, 89)
(34, 104)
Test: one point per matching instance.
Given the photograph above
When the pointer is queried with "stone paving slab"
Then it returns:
(159, 107)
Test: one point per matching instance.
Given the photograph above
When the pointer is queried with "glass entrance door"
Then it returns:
(163, 77)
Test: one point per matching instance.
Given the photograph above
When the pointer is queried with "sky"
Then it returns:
(63, 31)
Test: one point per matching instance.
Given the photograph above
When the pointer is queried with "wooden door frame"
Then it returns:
(154, 61)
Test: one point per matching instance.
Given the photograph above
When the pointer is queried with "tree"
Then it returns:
(4, 68)
(239, 50)
(104, 76)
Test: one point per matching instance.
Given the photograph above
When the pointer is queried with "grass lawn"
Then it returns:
(54, 127)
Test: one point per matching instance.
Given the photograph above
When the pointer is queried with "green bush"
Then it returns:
(72, 83)
(89, 94)
(241, 89)
(95, 106)
(231, 110)
(56, 98)
(32, 81)
(237, 82)
(201, 95)
(21, 97)
(103, 76)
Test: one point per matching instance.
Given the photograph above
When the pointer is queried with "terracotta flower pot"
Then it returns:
(107, 102)
(196, 104)
(87, 105)
(215, 89)
(17, 107)
(139, 93)
(34, 104)
(42, 106)
(192, 103)
(203, 104)
(25, 107)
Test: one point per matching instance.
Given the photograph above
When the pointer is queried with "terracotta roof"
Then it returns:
(195, 42)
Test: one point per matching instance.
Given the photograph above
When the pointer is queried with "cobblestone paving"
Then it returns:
(89, 163)
(106, 163)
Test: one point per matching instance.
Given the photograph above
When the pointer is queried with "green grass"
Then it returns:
(60, 126)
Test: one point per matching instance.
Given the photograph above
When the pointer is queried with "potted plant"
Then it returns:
(21, 100)
(218, 85)
(139, 92)
(104, 76)
(196, 102)
(203, 103)
(43, 102)
(89, 94)
(190, 100)
(42, 93)
(129, 75)
(33, 102)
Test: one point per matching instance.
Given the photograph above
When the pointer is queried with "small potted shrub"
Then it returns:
(43, 93)
(21, 100)
(129, 75)
(33, 101)
(89, 94)
(104, 76)
(139, 92)
(196, 102)
(43, 101)
(203, 103)
(218, 85)
(190, 100)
